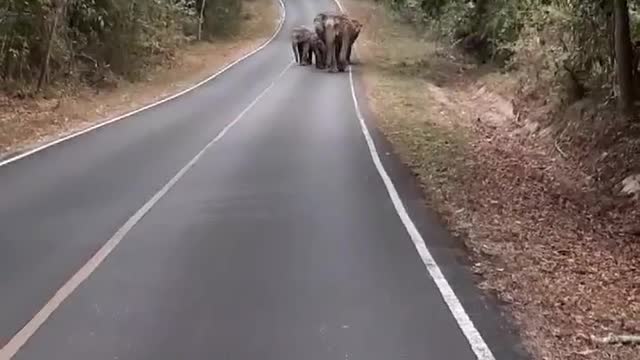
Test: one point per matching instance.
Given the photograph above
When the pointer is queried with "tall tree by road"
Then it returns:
(58, 10)
(624, 56)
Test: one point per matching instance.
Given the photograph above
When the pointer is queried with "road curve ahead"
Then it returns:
(244, 220)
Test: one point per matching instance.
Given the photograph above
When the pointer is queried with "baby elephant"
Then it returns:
(301, 44)
(318, 50)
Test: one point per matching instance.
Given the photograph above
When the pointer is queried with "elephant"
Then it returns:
(338, 32)
(357, 26)
(319, 51)
(301, 44)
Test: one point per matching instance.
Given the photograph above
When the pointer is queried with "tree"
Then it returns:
(58, 10)
(624, 56)
(201, 19)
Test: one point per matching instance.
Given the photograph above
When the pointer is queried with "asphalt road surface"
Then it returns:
(278, 241)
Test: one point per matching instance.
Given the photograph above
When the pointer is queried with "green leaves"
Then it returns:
(125, 34)
(548, 35)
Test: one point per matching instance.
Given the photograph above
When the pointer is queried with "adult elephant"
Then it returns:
(301, 43)
(338, 32)
(355, 26)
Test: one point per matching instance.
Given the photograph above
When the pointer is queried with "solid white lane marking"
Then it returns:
(118, 118)
(477, 343)
(19, 339)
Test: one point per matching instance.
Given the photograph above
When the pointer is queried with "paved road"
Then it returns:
(280, 242)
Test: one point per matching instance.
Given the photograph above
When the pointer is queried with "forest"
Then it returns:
(45, 42)
(592, 45)
(581, 47)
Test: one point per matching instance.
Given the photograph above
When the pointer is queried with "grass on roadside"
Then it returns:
(411, 110)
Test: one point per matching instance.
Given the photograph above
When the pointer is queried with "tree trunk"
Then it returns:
(624, 56)
(44, 69)
(479, 16)
(201, 19)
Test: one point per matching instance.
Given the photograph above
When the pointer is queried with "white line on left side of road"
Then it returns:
(20, 338)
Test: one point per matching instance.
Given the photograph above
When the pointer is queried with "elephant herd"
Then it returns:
(329, 43)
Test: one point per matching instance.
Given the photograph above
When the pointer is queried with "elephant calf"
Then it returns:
(301, 43)
(319, 51)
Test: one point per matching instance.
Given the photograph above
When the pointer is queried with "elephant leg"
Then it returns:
(323, 52)
(294, 47)
(301, 53)
(327, 55)
(331, 56)
(313, 54)
(334, 61)
(351, 43)
(337, 51)
(342, 58)
(306, 55)
(319, 57)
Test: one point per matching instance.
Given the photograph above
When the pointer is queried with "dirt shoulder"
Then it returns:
(562, 264)
(26, 123)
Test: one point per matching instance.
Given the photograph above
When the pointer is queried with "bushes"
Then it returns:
(221, 17)
(86, 39)
(548, 39)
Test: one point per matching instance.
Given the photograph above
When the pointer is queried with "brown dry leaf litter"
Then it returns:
(25, 123)
(561, 261)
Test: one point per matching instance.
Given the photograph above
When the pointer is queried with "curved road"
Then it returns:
(279, 240)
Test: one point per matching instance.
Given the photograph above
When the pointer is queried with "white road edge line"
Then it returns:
(118, 118)
(478, 345)
(20, 338)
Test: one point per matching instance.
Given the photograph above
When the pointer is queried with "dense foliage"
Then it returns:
(52, 40)
(553, 39)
